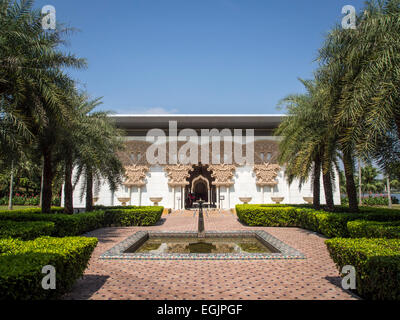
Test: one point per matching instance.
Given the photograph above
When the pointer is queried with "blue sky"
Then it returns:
(196, 56)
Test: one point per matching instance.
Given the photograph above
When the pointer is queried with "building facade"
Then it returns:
(224, 160)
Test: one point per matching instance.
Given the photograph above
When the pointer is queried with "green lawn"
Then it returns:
(17, 207)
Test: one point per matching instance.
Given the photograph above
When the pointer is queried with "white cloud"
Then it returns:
(158, 111)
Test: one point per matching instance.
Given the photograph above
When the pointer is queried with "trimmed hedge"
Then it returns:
(25, 230)
(65, 225)
(32, 210)
(377, 263)
(374, 229)
(21, 264)
(133, 216)
(331, 224)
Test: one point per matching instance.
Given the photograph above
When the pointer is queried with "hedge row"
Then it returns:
(77, 224)
(64, 224)
(21, 264)
(32, 210)
(374, 229)
(133, 216)
(26, 230)
(329, 224)
(377, 264)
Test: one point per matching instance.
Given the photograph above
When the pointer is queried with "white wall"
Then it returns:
(244, 186)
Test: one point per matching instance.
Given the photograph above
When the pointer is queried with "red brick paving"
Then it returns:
(315, 278)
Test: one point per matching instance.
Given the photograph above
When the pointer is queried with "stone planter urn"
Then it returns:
(309, 200)
(156, 200)
(124, 201)
(95, 199)
(277, 200)
(245, 200)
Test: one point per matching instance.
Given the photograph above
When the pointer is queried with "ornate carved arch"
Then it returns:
(198, 179)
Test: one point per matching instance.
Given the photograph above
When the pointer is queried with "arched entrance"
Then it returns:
(200, 187)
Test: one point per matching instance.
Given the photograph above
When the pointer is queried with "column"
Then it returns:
(262, 194)
(229, 196)
(174, 197)
(218, 200)
(140, 196)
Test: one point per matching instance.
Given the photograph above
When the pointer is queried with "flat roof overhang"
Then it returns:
(217, 121)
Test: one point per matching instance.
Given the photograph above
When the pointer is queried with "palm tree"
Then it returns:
(361, 69)
(96, 154)
(370, 182)
(308, 144)
(34, 90)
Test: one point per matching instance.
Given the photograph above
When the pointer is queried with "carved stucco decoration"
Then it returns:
(135, 152)
(266, 174)
(178, 174)
(135, 175)
(266, 147)
(223, 174)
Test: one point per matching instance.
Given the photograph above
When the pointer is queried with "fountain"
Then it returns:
(202, 245)
(201, 231)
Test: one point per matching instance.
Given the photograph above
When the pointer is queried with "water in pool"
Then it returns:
(160, 245)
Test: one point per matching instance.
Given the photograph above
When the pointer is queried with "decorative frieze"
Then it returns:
(178, 175)
(135, 175)
(223, 174)
(266, 174)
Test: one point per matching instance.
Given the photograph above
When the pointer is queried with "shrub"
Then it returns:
(374, 229)
(21, 265)
(32, 210)
(377, 263)
(65, 225)
(331, 224)
(25, 230)
(133, 216)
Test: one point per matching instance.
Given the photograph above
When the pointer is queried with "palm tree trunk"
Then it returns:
(328, 191)
(10, 199)
(397, 118)
(68, 189)
(350, 185)
(89, 190)
(41, 187)
(47, 180)
(359, 182)
(389, 193)
(317, 184)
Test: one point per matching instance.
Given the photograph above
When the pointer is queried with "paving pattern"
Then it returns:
(315, 278)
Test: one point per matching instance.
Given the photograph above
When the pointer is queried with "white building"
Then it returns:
(224, 182)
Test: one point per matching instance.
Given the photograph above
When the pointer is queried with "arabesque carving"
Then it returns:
(266, 174)
(223, 174)
(135, 152)
(178, 174)
(135, 175)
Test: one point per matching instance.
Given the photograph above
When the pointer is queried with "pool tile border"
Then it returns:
(137, 239)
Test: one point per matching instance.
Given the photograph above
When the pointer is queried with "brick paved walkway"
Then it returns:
(313, 278)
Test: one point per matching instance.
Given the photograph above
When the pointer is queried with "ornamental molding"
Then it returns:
(223, 174)
(178, 174)
(135, 152)
(135, 175)
(266, 174)
(198, 179)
